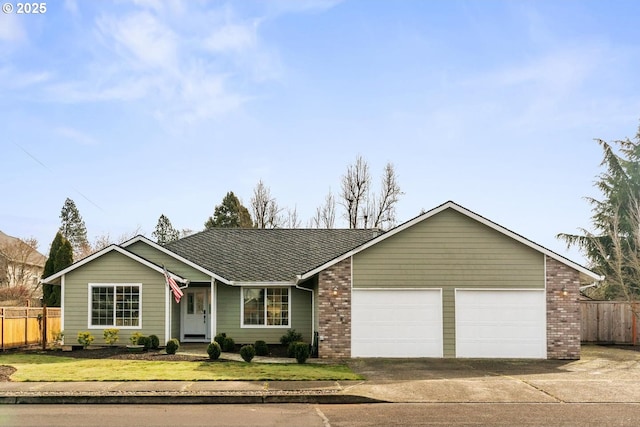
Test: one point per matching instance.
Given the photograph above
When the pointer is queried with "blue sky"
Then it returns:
(136, 109)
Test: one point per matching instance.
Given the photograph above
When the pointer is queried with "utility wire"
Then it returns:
(50, 170)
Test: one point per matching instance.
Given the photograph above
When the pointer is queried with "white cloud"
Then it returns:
(75, 135)
(11, 28)
(141, 39)
(232, 37)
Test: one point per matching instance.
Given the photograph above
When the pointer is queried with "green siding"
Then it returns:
(449, 250)
(228, 317)
(113, 268)
(160, 258)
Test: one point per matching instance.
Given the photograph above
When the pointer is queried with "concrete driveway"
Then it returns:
(603, 374)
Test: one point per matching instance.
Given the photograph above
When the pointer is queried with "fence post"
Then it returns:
(44, 326)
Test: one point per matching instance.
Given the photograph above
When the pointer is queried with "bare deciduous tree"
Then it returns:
(292, 220)
(266, 211)
(21, 266)
(363, 207)
(355, 186)
(381, 209)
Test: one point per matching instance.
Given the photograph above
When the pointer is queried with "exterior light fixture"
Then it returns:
(565, 292)
(335, 290)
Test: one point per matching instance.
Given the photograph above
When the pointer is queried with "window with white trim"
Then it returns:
(265, 307)
(115, 305)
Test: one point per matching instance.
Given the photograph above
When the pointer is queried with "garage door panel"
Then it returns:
(396, 323)
(500, 323)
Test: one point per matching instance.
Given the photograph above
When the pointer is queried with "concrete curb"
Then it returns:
(186, 399)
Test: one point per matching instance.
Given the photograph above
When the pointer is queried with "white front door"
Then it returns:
(195, 314)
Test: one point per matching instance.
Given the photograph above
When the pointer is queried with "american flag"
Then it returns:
(177, 292)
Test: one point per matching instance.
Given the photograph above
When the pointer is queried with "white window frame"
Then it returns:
(114, 286)
(265, 288)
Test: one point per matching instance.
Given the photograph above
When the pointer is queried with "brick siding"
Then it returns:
(334, 311)
(563, 311)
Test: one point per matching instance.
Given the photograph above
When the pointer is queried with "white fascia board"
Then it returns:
(175, 256)
(104, 251)
(463, 211)
(263, 284)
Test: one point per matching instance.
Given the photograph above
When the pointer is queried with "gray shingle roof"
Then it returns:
(266, 255)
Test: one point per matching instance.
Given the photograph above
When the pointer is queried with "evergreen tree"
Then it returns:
(230, 213)
(73, 229)
(164, 232)
(60, 257)
(612, 248)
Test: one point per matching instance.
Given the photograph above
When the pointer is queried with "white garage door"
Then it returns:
(396, 323)
(501, 323)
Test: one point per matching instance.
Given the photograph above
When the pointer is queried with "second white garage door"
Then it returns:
(501, 323)
(396, 323)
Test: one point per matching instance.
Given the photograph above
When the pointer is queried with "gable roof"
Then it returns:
(15, 249)
(110, 248)
(452, 205)
(245, 255)
(175, 256)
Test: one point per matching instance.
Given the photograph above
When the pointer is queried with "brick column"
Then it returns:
(334, 311)
(563, 311)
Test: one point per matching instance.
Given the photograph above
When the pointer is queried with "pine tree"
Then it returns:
(613, 248)
(60, 257)
(230, 213)
(164, 232)
(73, 228)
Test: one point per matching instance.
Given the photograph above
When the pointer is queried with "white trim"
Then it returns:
(213, 300)
(263, 284)
(174, 256)
(167, 312)
(104, 251)
(62, 292)
(265, 326)
(466, 212)
(90, 286)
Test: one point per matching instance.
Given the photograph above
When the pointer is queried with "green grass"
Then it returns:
(39, 367)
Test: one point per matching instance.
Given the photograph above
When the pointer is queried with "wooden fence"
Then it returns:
(609, 322)
(23, 326)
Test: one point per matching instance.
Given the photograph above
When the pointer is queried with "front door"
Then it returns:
(195, 315)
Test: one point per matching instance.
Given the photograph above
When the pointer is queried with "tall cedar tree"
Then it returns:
(73, 228)
(230, 214)
(60, 257)
(614, 219)
(164, 232)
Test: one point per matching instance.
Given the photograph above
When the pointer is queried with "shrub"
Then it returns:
(301, 351)
(111, 335)
(247, 352)
(228, 345)
(290, 336)
(154, 342)
(85, 338)
(214, 350)
(58, 338)
(219, 338)
(261, 348)
(133, 339)
(172, 346)
(144, 341)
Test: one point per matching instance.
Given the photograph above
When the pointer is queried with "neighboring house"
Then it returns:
(448, 283)
(21, 268)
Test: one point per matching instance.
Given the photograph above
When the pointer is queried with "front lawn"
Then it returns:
(41, 367)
